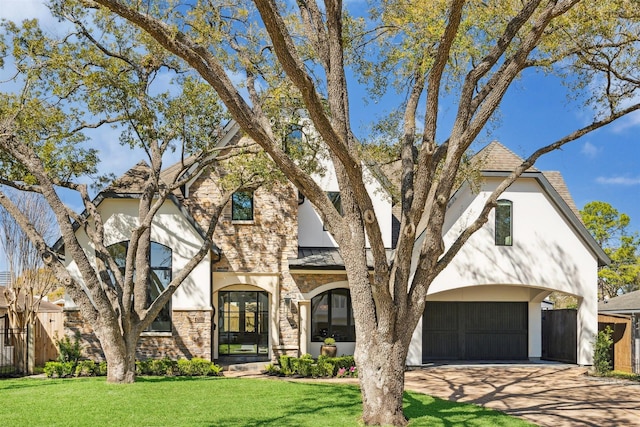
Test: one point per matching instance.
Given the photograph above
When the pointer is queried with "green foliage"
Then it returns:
(86, 368)
(196, 367)
(69, 351)
(602, 352)
(306, 366)
(285, 362)
(609, 229)
(60, 369)
(329, 341)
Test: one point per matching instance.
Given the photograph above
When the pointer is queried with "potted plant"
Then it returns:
(329, 348)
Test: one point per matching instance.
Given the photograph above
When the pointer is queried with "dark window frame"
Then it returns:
(504, 223)
(237, 210)
(330, 330)
(164, 317)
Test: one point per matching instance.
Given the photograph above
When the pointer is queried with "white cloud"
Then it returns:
(627, 122)
(589, 150)
(618, 180)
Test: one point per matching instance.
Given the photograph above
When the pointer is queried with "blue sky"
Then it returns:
(604, 165)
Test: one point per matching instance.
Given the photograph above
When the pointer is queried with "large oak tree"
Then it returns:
(96, 75)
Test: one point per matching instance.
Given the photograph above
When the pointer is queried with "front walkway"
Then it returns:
(547, 395)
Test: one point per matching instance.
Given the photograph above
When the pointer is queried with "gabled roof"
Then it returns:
(497, 157)
(623, 304)
(130, 185)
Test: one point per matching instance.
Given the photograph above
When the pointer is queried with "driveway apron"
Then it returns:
(547, 395)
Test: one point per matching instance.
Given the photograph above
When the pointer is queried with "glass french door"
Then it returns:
(243, 323)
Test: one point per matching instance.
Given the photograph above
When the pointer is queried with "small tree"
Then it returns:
(602, 351)
(29, 281)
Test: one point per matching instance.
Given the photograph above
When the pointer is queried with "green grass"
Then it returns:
(213, 402)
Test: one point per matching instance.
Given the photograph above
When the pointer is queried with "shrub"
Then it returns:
(70, 351)
(285, 362)
(163, 367)
(215, 370)
(602, 354)
(101, 369)
(59, 369)
(329, 341)
(85, 368)
(184, 367)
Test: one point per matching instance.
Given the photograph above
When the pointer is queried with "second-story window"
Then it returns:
(504, 223)
(242, 206)
(335, 198)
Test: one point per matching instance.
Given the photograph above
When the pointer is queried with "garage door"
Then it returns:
(475, 331)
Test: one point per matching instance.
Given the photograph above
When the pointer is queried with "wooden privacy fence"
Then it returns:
(624, 339)
(48, 329)
(21, 350)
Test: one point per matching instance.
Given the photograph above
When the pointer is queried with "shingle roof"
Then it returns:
(132, 181)
(497, 157)
(626, 303)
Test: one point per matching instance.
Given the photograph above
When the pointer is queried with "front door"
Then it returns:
(243, 325)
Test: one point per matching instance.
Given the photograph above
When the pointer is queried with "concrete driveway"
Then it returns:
(552, 395)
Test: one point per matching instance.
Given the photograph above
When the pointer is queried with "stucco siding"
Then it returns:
(170, 228)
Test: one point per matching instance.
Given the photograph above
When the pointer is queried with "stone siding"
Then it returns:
(190, 337)
(307, 282)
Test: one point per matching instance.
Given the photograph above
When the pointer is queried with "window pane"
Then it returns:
(504, 223)
(242, 206)
(331, 316)
(320, 317)
(336, 199)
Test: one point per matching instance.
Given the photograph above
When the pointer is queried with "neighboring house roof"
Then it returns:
(325, 259)
(44, 307)
(623, 304)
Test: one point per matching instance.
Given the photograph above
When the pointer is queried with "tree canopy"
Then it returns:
(610, 228)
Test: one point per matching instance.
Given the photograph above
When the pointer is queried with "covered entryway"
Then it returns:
(243, 325)
(475, 331)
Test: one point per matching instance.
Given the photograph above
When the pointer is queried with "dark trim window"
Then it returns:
(336, 199)
(504, 223)
(160, 276)
(242, 206)
(332, 316)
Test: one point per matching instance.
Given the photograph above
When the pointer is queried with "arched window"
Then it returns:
(332, 316)
(504, 223)
(159, 278)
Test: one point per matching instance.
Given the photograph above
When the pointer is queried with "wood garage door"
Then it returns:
(475, 331)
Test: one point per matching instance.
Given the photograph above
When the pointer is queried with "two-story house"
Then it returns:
(275, 283)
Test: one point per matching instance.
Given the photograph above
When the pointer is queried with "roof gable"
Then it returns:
(497, 157)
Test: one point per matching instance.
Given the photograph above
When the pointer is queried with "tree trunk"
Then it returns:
(120, 353)
(381, 370)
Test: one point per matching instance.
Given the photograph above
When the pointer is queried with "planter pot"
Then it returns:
(328, 350)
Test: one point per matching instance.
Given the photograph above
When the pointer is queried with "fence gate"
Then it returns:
(560, 335)
(13, 349)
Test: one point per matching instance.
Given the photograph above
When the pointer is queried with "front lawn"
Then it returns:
(157, 401)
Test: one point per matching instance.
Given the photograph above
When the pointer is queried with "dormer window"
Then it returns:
(504, 223)
(242, 206)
